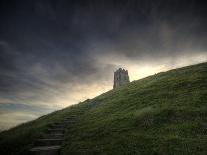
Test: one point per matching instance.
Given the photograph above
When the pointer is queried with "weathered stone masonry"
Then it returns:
(121, 77)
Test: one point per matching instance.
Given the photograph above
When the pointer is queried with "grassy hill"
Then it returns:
(162, 114)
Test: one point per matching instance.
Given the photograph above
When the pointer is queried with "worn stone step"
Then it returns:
(72, 116)
(58, 123)
(48, 142)
(57, 127)
(69, 119)
(54, 135)
(65, 122)
(46, 150)
(56, 131)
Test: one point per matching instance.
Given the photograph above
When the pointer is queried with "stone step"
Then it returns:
(59, 123)
(56, 131)
(54, 135)
(46, 150)
(65, 122)
(75, 114)
(68, 119)
(57, 127)
(72, 117)
(48, 142)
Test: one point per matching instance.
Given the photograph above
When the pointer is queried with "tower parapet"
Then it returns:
(121, 77)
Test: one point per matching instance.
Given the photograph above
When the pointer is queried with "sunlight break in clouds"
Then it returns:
(142, 68)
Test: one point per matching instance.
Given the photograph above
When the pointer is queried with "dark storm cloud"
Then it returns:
(57, 36)
(48, 47)
(159, 28)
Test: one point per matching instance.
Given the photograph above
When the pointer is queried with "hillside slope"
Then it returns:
(162, 114)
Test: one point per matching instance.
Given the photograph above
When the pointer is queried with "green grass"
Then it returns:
(163, 114)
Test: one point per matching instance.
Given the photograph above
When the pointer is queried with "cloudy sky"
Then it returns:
(54, 53)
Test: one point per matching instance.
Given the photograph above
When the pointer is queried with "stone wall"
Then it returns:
(121, 77)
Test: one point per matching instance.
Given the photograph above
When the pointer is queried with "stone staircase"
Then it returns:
(51, 142)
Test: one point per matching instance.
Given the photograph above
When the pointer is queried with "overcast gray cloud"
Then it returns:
(55, 53)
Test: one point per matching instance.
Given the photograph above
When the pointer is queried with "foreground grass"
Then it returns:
(162, 114)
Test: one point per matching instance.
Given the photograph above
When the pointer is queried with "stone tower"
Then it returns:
(121, 77)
